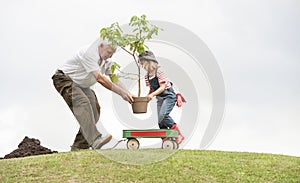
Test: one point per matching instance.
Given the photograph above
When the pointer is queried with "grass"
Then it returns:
(176, 166)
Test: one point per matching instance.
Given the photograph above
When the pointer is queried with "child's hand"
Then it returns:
(149, 97)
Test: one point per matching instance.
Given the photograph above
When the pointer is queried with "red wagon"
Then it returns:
(169, 143)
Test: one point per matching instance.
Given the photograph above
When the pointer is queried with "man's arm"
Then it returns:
(104, 81)
(119, 83)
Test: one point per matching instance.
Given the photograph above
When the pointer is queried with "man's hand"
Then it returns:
(128, 97)
(125, 94)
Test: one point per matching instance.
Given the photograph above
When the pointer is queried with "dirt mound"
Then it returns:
(29, 147)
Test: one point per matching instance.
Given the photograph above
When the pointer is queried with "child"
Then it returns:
(160, 87)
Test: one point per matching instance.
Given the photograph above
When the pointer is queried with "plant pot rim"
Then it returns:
(140, 99)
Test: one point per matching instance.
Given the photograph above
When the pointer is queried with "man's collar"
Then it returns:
(102, 62)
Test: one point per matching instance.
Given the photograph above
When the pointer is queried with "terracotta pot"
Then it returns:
(139, 105)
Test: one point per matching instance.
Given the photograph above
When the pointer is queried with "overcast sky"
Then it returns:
(256, 44)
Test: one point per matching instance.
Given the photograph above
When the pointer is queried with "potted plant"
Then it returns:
(132, 43)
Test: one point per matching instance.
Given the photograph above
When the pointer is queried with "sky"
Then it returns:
(256, 44)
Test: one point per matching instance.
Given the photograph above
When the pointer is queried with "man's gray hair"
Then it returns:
(105, 43)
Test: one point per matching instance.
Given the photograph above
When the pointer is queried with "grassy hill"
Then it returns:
(181, 166)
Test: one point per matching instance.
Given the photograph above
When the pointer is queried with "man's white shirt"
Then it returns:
(81, 66)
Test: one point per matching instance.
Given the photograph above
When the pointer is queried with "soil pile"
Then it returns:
(29, 147)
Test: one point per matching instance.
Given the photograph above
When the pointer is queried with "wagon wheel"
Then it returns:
(176, 145)
(133, 144)
(168, 144)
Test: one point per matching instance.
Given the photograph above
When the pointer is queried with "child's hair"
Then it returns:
(153, 65)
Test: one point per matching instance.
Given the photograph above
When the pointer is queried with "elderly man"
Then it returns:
(73, 81)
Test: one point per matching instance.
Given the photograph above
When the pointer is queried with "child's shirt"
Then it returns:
(161, 78)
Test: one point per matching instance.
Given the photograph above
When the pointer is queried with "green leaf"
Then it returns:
(144, 22)
(134, 18)
(131, 47)
(145, 29)
(114, 66)
(114, 78)
(103, 31)
(117, 65)
(140, 48)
